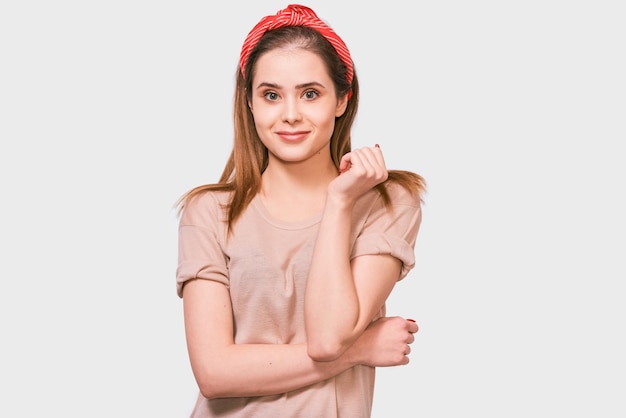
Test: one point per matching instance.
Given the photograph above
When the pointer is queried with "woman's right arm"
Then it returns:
(225, 369)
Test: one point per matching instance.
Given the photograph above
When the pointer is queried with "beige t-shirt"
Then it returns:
(264, 264)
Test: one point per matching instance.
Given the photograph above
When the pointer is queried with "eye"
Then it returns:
(271, 95)
(310, 94)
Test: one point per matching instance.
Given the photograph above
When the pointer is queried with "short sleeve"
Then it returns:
(391, 231)
(200, 254)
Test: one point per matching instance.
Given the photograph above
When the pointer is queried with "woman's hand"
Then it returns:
(385, 342)
(359, 171)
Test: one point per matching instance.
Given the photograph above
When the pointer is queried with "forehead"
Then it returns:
(288, 63)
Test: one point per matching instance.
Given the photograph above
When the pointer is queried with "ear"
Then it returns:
(342, 103)
(248, 100)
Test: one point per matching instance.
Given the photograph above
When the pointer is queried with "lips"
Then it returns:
(292, 136)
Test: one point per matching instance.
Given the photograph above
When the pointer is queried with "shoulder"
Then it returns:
(397, 194)
(205, 208)
(384, 203)
(402, 195)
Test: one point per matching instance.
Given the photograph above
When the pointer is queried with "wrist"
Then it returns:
(355, 355)
(337, 202)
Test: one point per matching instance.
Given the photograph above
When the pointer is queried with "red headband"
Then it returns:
(295, 15)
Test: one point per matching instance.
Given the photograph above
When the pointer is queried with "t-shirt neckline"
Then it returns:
(257, 203)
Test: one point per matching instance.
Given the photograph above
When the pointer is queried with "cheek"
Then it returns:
(263, 115)
(326, 119)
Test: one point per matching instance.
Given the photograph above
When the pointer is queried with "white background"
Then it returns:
(514, 112)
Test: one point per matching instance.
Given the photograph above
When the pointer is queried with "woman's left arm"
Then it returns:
(342, 296)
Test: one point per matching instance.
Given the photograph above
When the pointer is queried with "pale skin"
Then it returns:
(294, 106)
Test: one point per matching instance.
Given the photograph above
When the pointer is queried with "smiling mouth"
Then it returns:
(292, 136)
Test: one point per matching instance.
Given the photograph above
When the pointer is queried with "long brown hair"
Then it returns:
(249, 158)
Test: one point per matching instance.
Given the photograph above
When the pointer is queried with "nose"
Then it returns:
(291, 111)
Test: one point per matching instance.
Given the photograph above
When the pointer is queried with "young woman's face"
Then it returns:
(294, 104)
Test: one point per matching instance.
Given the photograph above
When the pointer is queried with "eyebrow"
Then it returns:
(299, 86)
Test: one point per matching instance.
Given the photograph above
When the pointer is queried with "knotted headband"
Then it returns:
(295, 15)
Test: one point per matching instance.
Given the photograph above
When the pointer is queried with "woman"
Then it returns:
(285, 264)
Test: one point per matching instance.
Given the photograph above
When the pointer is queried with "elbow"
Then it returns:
(208, 390)
(211, 387)
(325, 350)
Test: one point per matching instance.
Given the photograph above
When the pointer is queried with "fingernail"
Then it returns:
(377, 146)
(409, 319)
